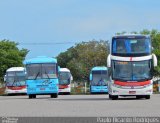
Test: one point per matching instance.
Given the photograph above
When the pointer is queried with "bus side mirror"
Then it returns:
(109, 61)
(154, 60)
(90, 77)
(71, 78)
(26, 76)
(4, 78)
(25, 72)
(58, 69)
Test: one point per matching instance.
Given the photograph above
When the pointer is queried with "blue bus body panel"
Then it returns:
(99, 89)
(40, 59)
(99, 68)
(42, 86)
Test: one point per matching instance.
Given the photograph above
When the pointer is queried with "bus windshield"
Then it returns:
(64, 78)
(41, 71)
(99, 78)
(131, 71)
(15, 78)
(129, 46)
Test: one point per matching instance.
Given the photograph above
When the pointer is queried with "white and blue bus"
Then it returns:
(15, 81)
(99, 80)
(65, 79)
(132, 63)
(42, 76)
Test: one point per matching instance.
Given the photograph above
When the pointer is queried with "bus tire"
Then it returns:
(54, 95)
(8, 94)
(110, 96)
(34, 96)
(147, 96)
(30, 96)
(68, 93)
(139, 97)
(114, 97)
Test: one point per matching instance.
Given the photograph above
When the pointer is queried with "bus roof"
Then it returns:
(40, 59)
(15, 69)
(131, 36)
(64, 70)
(99, 68)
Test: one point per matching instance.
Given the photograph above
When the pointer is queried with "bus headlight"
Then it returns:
(115, 91)
(117, 86)
(149, 91)
(147, 85)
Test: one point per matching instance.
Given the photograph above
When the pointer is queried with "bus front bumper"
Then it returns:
(9, 91)
(68, 90)
(131, 91)
(99, 89)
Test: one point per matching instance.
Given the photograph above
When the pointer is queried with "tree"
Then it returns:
(85, 55)
(10, 56)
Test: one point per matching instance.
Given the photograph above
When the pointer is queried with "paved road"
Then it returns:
(78, 106)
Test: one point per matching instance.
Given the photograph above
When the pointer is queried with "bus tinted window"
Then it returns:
(15, 78)
(99, 78)
(127, 46)
(131, 71)
(38, 71)
(33, 71)
(64, 78)
(49, 71)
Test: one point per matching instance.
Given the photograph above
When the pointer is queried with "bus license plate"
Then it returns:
(42, 89)
(132, 92)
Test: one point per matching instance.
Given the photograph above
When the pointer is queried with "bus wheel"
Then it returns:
(68, 93)
(110, 96)
(147, 96)
(54, 96)
(30, 96)
(34, 96)
(114, 97)
(139, 97)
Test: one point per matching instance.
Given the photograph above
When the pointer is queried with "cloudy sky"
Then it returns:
(48, 27)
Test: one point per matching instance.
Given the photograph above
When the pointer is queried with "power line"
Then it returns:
(46, 43)
(51, 43)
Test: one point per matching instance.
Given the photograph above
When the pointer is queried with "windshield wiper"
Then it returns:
(8, 84)
(14, 82)
(36, 75)
(47, 74)
(99, 84)
(18, 81)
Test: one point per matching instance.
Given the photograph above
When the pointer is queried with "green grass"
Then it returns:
(79, 91)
